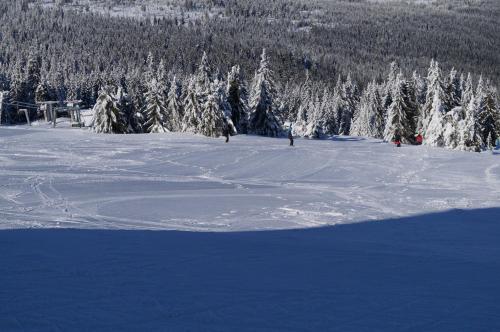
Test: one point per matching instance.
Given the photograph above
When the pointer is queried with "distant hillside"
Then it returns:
(329, 37)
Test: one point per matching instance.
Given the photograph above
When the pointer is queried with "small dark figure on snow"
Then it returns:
(225, 131)
(397, 140)
(290, 137)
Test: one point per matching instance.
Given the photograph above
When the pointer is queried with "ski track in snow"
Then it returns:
(76, 179)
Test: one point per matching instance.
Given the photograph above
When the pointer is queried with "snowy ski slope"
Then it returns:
(430, 264)
(73, 178)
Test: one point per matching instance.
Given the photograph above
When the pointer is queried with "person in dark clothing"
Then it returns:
(225, 131)
(397, 140)
(290, 137)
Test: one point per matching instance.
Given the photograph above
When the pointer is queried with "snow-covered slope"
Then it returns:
(427, 272)
(75, 179)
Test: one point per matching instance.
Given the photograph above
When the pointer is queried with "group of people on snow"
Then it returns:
(419, 139)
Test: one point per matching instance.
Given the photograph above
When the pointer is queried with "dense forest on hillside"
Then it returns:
(327, 37)
(324, 69)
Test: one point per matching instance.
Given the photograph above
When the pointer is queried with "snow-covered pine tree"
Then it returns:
(489, 142)
(412, 106)
(150, 71)
(379, 112)
(306, 106)
(350, 99)
(108, 116)
(136, 90)
(370, 121)
(237, 99)
(32, 78)
(212, 119)
(452, 122)
(468, 92)
(220, 87)
(262, 119)
(42, 92)
(329, 113)
(389, 85)
(435, 108)
(315, 125)
(126, 107)
(420, 88)
(488, 115)
(203, 80)
(155, 109)
(397, 119)
(192, 112)
(434, 84)
(470, 138)
(362, 125)
(454, 89)
(173, 108)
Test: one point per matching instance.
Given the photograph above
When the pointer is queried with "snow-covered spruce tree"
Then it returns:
(306, 106)
(42, 92)
(203, 80)
(452, 127)
(435, 108)
(397, 119)
(192, 111)
(361, 126)
(32, 78)
(173, 108)
(155, 110)
(420, 88)
(436, 100)
(329, 112)
(370, 121)
(288, 102)
(262, 119)
(389, 85)
(315, 124)
(412, 106)
(150, 71)
(454, 89)
(126, 107)
(220, 88)
(108, 116)
(468, 92)
(470, 138)
(488, 115)
(136, 89)
(380, 113)
(237, 98)
(212, 119)
(350, 100)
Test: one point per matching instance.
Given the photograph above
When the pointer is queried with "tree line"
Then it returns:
(447, 110)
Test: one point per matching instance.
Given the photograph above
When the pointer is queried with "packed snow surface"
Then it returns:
(435, 270)
(72, 178)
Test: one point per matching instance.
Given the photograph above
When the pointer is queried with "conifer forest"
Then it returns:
(249, 165)
(266, 66)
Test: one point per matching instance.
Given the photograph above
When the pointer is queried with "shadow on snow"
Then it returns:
(430, 272)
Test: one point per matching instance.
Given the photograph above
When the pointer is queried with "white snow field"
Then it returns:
(243, 236)
(73, 178)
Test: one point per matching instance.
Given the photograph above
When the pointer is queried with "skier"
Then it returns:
(225, 131)
(290, 137)
(419, 139)
(397, 139)
(497, 143)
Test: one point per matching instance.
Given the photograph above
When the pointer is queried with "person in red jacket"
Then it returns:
(397, 139)
(419, 139)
